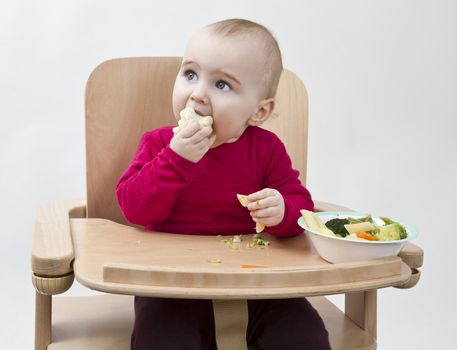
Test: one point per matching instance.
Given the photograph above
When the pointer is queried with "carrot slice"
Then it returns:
(251, 266)
(366, 236)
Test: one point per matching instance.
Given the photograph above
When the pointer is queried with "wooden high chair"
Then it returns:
(91, 240)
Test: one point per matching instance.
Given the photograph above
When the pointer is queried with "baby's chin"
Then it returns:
(219, 142)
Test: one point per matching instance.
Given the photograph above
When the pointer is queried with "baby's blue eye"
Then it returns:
(190, 75)
(223, 85)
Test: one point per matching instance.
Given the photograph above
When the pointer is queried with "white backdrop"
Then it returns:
(381, 78)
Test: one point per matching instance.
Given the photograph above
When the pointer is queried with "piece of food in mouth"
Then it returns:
(244, 202)
(188, 115)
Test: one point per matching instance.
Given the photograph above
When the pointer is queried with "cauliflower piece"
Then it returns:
(391, 232)
(188, 115)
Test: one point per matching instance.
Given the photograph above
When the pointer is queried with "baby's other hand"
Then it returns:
(266, 206)
(193, 141)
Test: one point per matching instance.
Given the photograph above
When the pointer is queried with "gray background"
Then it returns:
(381, 77)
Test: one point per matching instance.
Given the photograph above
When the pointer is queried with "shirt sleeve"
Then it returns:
(281, 176)
(147, 190)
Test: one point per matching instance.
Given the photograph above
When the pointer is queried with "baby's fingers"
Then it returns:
(263, 199)
(202, 134)
(190, 130)
(266, 192)
(268, 221)
(265, 213)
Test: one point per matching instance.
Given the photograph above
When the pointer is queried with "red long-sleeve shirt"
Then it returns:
(164, 192)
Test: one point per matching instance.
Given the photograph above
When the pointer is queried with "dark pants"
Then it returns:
(184, 324)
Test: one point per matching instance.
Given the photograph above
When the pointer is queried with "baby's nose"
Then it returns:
(199, 95)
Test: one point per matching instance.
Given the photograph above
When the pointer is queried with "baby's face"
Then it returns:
(221, 77)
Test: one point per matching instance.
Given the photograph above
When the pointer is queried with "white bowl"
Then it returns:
(337, 250)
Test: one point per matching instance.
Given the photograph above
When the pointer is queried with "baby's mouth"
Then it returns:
(200, 113)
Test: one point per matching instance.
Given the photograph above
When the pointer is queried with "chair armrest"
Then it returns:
(412, 255)
(52, 248)
(325, 206)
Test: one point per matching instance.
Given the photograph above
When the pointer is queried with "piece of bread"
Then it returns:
(188, 115)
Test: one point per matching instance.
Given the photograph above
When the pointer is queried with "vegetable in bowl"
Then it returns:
(337, 226)
(357, 228)
(365, 236)
(391, 230)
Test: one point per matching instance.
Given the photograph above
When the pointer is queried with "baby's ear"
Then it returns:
(264, 110)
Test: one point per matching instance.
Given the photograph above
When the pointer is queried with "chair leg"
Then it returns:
(43, 310)
(45, 288)
(361, 307)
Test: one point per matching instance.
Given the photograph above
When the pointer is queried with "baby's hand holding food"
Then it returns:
(266, 206)
(193, 136)
(193, 141)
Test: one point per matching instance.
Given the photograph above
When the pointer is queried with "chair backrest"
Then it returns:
(126, 97)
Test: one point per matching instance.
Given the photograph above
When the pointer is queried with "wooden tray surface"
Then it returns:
(121, 259)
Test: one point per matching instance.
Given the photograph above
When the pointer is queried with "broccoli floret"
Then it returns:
(337, 226)
(391, 232)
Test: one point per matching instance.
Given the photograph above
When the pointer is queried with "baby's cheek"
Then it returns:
(217, 126)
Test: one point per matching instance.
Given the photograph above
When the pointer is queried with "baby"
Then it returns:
(187, 182)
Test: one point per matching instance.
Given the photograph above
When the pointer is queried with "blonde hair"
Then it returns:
(272, 53)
